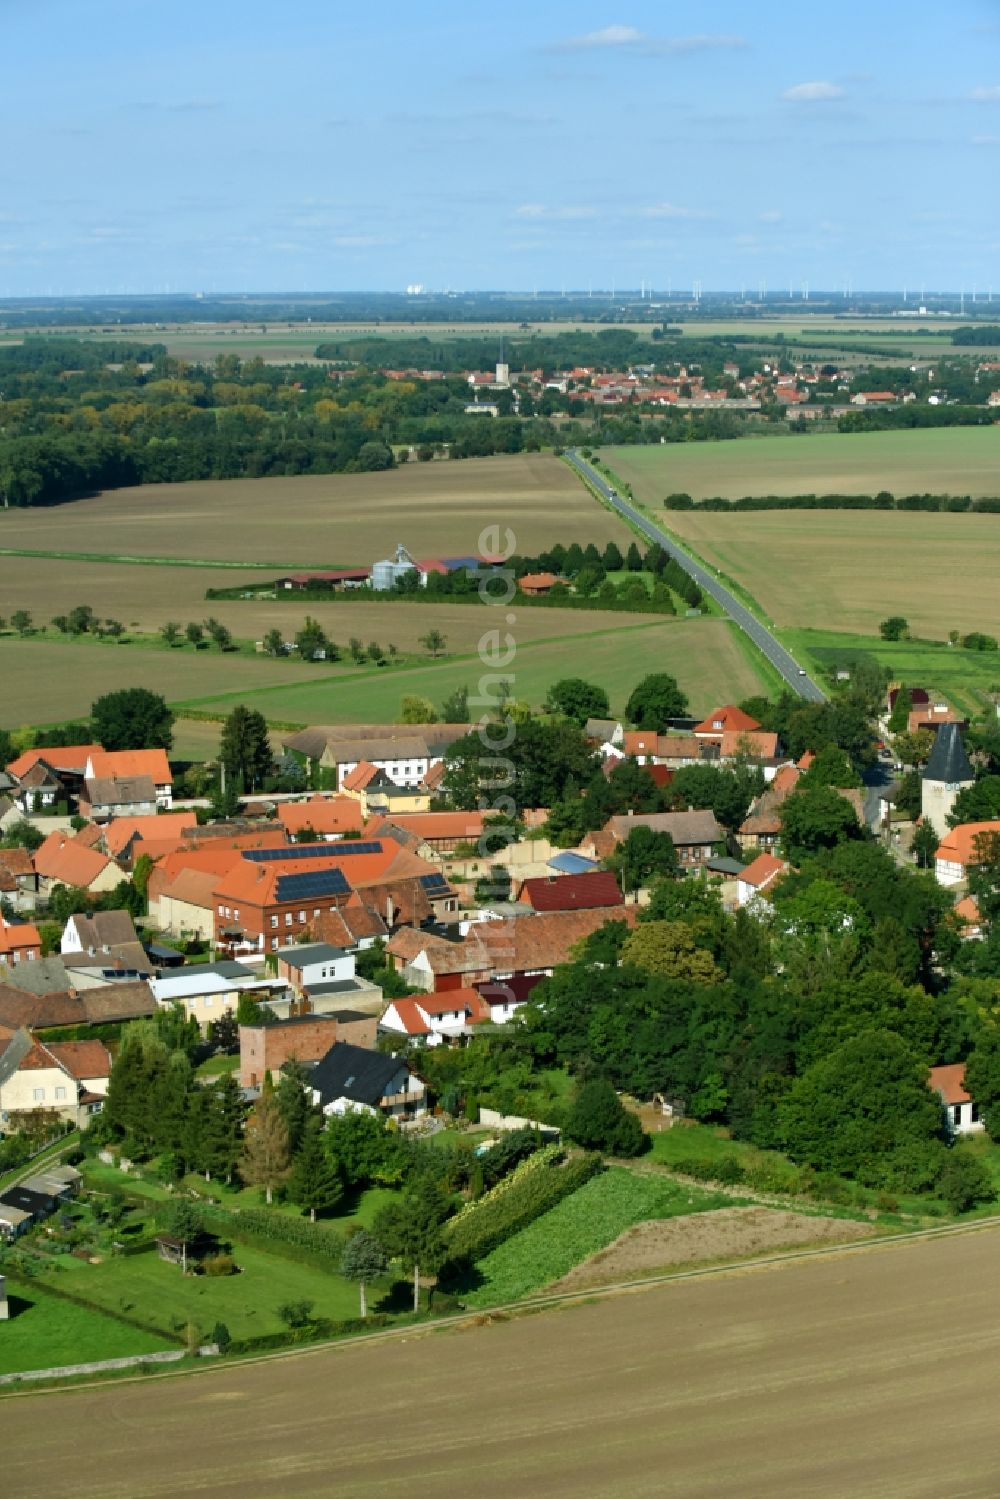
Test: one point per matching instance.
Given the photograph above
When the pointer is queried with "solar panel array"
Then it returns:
(310, 851)
(310, 886)
(435, 884)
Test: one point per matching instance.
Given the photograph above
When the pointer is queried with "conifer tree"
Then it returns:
(315, 1182)
(266, 1158)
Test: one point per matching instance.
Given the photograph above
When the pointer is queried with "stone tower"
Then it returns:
(946, 773)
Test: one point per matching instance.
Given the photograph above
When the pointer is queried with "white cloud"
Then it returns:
(631, 39)
(985, 95)
(671, 211)
(770, 216)
(811, 93)
(540, 211)
(986, 140)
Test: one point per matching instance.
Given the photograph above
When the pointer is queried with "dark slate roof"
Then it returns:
(948, 761)
(28, 1201)
(352, 1072)
(309, 953)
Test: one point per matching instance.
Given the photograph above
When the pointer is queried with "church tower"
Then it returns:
(946, 773)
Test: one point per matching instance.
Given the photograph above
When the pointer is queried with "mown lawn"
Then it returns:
(45, 1332)
(151, 1290)
(580, 1225)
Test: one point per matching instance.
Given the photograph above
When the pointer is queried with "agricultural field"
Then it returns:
(724, 1386)
(53, 680)
(849, 569)
(583, 1223)
(963, 677)
(704, 654)
(45, 1332)
(145, 597)
(947, 460)
(329, 520)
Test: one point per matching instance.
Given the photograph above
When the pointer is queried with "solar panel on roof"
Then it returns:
(310, 851)
(434, 882)
(307, 886)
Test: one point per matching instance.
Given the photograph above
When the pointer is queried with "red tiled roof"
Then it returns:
(126, 763)
(949, 1081)
(764, 870)
(120, 831)
(67, 862)
(82, 1059)
(726, 720)
(66, 758)
(960, 844)
(413, 1021)
(572, 892)
(358, 778)
(324, 814)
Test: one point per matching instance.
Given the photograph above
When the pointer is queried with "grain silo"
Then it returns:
(385, 573)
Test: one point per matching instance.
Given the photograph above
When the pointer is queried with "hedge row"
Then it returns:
(278, 1227)
(989, 505)
(519, 1200)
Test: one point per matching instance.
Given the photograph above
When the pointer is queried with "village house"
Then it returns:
(64, 860)
(63, 766)
(349, 1080)
(65, 1078)
(18, 879)
(105, 797)
(964, 848)
(961, 1111)
(131, 765)
(571, 892)
(328, 817)
(19, 942)
(755, 883)
(435, 1019)
(696, 834)
(404, 751)
(299, 1038)
(207, 991)
(313, 963)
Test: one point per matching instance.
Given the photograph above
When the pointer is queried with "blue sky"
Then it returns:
(243, 146)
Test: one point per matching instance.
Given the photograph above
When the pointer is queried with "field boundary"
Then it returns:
(467, 1320)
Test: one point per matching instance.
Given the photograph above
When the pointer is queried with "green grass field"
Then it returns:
(964, 677)
(146, 1287)
(703, 654)
(45, 1332)
(947, 460)
(580, 1225)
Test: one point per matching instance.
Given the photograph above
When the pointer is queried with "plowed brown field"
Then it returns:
(862, 1373)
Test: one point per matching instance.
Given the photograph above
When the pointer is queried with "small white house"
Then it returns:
(960, 1109)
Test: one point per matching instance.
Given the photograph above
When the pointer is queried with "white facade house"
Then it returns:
(961, 1111)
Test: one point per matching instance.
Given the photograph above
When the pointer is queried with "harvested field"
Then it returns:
(820, 1378)
(142, 597)
(145, 597)
(847, 570)
(947, 460)
(722, 1234)
(334, 520)
(50, 681)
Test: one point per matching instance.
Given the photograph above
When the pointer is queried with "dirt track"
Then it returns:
(860, 1373)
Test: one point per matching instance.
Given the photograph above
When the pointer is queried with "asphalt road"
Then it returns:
(784, 663)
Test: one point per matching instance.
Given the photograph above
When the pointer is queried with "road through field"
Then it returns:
(784, 663)
(859, 1373)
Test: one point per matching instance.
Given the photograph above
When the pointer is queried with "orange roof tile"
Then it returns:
(120, 831)
(67, 862)
(726, 720)
(961, 846)
(324, 814)
(764, 870)
(66, 757)
(125, 763)
(949, 1081)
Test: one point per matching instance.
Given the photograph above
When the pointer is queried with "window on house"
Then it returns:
(222, 910)
(60, 1095)
(302, 917)
(974, 1114)
(37, 1094)
(236, 912)
(274, 944)
(288, 918)
(956, 1113)
(274, 921)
